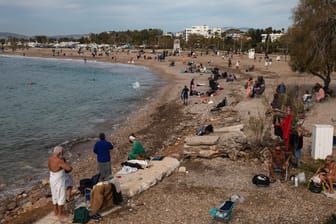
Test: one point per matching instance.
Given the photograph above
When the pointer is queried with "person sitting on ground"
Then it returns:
(192, 86)
(138, 151)
(279, 159)
(231, 78)
(103, 196)
(281, 88)
(249, 87)
(223, 103)
(320, 94)
(276, 103)
(205, 130)
(259, 86)
(306, 97)
(327, 173)
(213, 84)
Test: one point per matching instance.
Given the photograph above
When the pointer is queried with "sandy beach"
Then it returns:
(162, 125)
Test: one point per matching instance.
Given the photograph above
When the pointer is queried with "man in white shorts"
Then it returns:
(57, 166)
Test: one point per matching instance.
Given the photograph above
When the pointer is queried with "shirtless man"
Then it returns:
(278, 159)
(57, 166)
(327, 173)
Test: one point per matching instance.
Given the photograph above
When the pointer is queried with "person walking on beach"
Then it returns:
(184, 95)
(57, 168)
(102, 149)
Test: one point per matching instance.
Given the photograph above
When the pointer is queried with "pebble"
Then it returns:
(182, 169)
(45, 181)
(11, 205)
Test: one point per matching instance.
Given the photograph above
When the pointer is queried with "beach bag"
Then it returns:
(261, 180)
(85, 183)
(88, 183)
(81, 215)
(95, 179)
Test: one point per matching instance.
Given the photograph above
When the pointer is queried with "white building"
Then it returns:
(273, 36)
(204, 31)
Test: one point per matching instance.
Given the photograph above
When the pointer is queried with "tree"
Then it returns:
(312, 39)
(41, 39)
(255, 36)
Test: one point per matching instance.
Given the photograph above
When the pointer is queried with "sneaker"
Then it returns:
(96, 217)
(282, 179)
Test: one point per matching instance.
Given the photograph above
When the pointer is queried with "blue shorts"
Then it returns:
(297, 153)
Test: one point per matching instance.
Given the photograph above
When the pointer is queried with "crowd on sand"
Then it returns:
(288, 150)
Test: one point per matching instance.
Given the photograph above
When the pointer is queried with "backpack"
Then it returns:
(88, 183)
(261, 180)
(81, 215)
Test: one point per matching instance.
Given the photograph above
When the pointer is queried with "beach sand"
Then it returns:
(163, 123)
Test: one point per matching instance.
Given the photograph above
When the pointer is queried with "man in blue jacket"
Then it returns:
(102, 149)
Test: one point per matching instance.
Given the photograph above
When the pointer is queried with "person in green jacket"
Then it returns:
(137, 152)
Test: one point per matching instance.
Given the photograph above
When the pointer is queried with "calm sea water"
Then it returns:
(45, 102)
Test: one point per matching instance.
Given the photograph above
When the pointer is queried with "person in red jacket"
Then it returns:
(285, 125)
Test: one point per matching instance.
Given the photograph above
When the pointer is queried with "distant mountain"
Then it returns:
(71, 36)
(5, 35)
(243, 29)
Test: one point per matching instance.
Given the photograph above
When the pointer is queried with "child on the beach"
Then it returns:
(68, 185)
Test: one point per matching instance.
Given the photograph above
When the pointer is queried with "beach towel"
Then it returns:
(143, 163)
(126, 170)
(57, 186)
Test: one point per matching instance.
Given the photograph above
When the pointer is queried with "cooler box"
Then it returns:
(322, 142)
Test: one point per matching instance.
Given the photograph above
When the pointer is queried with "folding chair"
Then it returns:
(278, 169)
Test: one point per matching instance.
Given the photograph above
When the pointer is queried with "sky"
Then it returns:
(61, 17)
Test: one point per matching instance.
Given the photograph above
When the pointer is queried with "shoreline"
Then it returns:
(85, 162)
(69, 143)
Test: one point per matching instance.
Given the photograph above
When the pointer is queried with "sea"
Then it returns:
(46, 102)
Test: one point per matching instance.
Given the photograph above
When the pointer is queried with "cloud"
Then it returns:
(41, 4)
(169, 15)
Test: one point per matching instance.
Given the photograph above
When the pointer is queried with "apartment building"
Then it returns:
(204, 31)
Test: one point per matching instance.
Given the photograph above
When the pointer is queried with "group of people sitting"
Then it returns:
(254, 88)
(325, 175)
